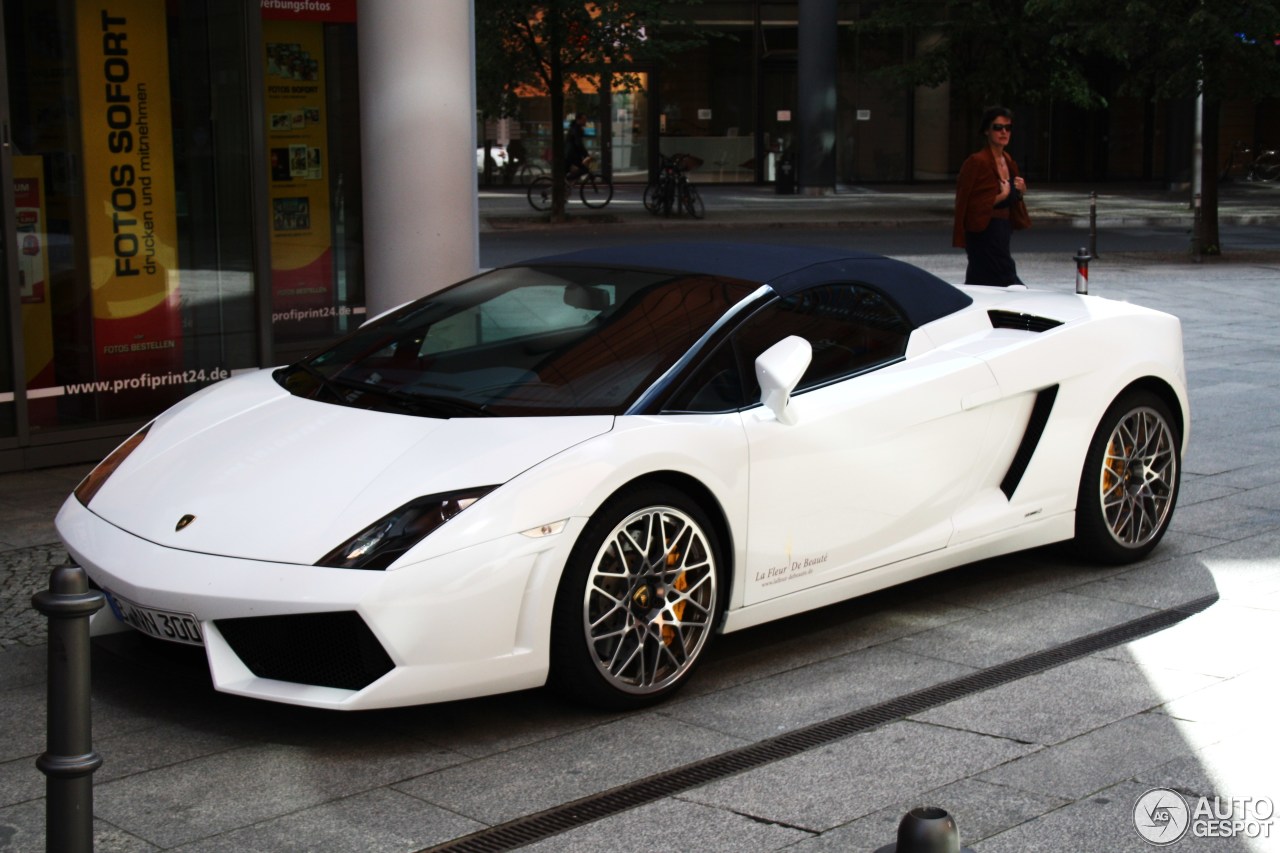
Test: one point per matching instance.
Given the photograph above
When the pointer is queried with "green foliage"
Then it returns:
(991, 51)
(1082, 51)
(522, 44)
(1175, 48)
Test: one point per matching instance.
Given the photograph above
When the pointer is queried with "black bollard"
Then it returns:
(70, 760)
(1082, 259)
(927, 829)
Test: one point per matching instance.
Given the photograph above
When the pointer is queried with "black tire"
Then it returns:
(595, 191)
(692, 202)
(667, 197)
(540, 193)
(653, 198)
(529, 172)
(638, 601)
(1129, 484)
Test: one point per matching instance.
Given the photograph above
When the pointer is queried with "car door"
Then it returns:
(881, 452)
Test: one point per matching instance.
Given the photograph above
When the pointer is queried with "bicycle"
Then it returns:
(1265, 166)
(594, 190)
(531, 168)
(673, 189)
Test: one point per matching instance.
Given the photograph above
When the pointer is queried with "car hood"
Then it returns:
(270, 476)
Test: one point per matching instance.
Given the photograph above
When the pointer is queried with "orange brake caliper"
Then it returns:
(681, 583)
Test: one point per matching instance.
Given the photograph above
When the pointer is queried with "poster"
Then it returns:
(131, 224)
(33, 268)
(302, 279)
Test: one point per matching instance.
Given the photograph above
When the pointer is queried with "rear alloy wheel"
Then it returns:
(1130, 480)
(638, 601)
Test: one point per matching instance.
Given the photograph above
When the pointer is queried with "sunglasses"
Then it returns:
(1001, 128)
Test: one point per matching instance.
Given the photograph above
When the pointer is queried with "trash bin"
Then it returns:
(785, 182)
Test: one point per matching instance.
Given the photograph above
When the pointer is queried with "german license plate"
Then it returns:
(162, 624)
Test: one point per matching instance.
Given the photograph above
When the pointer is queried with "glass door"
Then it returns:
(630, 112)
(592, 102)
(51, 322)
(778, 120)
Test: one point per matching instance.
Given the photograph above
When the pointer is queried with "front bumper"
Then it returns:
(469, 623)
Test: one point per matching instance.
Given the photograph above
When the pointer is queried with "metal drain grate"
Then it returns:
(553, 821)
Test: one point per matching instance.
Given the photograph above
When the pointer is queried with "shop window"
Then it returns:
(135, 237)
(312, 109)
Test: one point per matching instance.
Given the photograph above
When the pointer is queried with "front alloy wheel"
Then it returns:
(638, 602)
(1130, 481)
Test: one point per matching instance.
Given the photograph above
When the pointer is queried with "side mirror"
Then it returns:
(778, 369)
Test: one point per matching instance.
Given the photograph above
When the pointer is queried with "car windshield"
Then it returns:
(521, 341)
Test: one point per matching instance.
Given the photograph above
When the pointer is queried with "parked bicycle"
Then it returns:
(594, 189)
(1243, 163)
(531, 168)
(673, 190)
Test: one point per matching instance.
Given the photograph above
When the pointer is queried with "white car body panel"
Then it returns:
(288, 499)
(868, 474)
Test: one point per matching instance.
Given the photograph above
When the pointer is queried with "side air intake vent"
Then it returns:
(1021, 322)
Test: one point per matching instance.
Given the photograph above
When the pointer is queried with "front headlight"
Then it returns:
(381, 543)
(96, 478)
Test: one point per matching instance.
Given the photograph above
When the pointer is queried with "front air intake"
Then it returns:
(324, 649)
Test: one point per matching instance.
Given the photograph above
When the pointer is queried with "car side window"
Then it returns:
(851, 327)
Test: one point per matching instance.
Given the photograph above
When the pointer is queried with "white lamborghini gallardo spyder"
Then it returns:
(579, 469)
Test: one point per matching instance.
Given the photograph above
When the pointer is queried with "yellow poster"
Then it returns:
(131, 224)
(297, 132)
(33, 269)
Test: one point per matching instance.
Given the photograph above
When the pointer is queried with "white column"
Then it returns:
(418, 147)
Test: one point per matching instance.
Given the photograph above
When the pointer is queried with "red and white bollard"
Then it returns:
(1082, 270)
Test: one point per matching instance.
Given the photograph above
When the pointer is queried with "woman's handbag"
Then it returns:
(1018, 216)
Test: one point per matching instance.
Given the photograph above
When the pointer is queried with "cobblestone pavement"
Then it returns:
(23, 573)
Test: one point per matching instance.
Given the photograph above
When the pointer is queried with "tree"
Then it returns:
(1083, 51)
(989, 51)
(549, 44)
(1180, 49)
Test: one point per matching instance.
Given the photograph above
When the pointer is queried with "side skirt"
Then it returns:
(1042, 531)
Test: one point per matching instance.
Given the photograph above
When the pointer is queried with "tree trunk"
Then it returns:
(557, 141)
(1209, 241)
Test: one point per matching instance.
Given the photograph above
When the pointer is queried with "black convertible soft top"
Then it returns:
(922, 296)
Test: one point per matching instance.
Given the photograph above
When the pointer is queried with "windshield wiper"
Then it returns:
(323, 382)
(408, 400)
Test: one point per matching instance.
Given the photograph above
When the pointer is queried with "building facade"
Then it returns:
(186, 185)
(182, 200)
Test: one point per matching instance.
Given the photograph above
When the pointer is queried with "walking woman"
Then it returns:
(989, 205)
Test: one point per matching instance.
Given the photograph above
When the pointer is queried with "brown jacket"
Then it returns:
(976, 191)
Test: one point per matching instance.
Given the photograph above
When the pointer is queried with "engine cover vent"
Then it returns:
(1021, 322)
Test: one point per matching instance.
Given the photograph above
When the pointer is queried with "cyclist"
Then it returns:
(575, 153)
